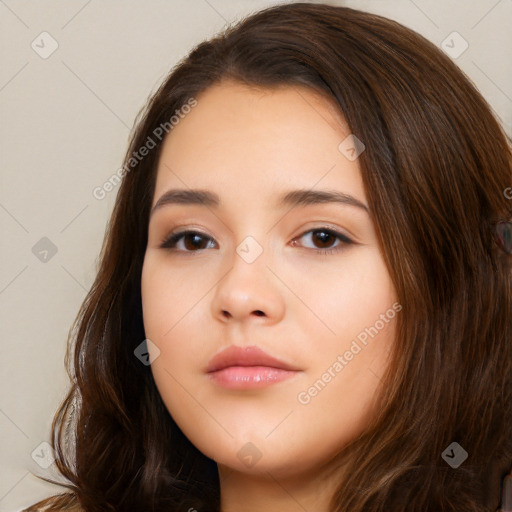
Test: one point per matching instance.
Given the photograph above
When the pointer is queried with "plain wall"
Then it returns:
(65, 122)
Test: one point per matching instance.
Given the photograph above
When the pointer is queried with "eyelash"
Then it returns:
(169, 243)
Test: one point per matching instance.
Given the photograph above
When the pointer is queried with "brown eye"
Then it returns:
(323, 240)
(192, 241)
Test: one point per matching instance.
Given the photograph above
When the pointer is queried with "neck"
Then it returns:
(253, 492)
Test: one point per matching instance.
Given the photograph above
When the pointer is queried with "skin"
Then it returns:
(249, 146)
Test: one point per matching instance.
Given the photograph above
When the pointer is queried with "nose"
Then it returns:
(248, 291)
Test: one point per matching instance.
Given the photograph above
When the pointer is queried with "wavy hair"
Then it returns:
(436, 167)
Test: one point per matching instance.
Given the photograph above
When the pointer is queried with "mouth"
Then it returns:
(248, 368)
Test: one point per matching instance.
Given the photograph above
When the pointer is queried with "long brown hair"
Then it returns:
(436, 167)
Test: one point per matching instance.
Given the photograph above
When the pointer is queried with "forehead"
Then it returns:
(256, 140)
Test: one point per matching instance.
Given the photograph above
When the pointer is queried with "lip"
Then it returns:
(247, 368)
(245, 356)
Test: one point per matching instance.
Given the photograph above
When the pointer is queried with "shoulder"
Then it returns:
(62, 502)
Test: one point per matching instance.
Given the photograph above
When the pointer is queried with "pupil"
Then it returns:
(324, 236)
(195, 241)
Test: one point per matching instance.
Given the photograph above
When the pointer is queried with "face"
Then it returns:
(252, 266)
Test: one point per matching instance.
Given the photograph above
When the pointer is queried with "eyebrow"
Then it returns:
(292, 198)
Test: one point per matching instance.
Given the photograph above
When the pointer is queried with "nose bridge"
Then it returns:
(250, 249)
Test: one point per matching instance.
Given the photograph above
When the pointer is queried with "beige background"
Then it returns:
(65, 125)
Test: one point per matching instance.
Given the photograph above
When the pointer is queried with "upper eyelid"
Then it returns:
(326, 227)
(318, 224)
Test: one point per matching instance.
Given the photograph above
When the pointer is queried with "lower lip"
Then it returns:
(250, 377)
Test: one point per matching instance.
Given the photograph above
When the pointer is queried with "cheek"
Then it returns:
(175, 321)
(357, 306)
(168, 295)
(339, 301)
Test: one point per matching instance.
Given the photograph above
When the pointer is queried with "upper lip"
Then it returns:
(245, 356)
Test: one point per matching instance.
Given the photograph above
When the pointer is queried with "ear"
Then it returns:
(503, 235)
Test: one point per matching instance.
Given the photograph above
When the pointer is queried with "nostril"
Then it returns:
(259, 313)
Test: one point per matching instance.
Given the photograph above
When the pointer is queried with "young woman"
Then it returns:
(304, 294)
